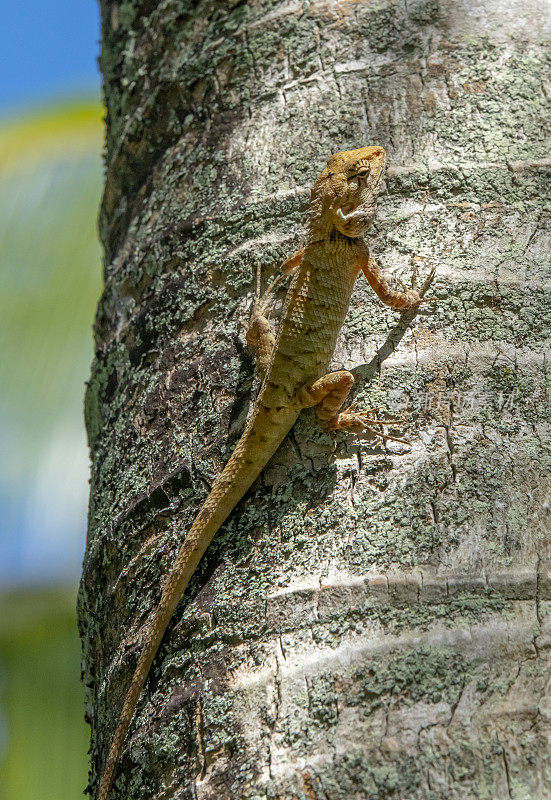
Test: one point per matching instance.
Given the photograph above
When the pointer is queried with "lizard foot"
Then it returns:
(418, 294)
(373, 422)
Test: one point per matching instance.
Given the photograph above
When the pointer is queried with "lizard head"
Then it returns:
(344, 197)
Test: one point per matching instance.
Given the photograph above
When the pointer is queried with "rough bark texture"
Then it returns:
(371, 622)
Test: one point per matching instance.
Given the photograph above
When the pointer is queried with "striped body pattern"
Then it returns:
(316, 306)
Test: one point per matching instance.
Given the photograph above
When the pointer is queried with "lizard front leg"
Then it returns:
(261, 338)
(259, 334)
(329, 394)
(404, 301)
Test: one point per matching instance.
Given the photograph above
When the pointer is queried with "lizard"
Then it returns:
(293, 367)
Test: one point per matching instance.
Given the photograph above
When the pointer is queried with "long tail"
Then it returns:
(259, 442)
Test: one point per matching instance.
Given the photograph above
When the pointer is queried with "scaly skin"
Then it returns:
(343, 204)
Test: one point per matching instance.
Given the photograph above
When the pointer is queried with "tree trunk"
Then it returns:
(371, 622)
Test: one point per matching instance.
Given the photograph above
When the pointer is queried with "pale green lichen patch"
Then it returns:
(425, 674)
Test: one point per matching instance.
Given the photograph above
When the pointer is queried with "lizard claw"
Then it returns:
(427, 282)
(417, 296)
(362, 421)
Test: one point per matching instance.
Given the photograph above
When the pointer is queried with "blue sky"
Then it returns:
(48, 50)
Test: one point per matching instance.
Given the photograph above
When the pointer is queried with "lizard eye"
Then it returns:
(361, 174)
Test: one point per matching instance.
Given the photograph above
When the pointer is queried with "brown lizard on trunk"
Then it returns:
(293, 368)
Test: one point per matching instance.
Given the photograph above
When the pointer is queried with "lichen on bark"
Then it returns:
(371, 622)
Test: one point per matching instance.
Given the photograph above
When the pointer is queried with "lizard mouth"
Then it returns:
(353, 219)
(357, 221)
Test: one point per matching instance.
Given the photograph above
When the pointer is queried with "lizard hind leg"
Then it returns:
(329, 394)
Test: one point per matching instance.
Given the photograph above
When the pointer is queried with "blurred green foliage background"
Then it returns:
(50, 276)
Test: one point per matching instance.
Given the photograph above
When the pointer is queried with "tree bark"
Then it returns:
(371, 622)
